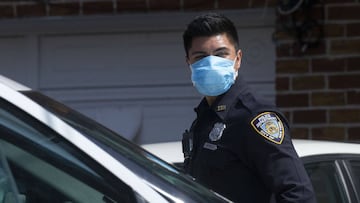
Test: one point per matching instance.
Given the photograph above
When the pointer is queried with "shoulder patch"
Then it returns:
(268, 125)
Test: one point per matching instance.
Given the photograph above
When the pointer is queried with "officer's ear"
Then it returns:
(238, 59)
(187, 60)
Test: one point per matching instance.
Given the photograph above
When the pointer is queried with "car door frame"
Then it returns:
(343, 170)
(74, 137)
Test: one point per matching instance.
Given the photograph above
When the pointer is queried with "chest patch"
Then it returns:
(269, 126)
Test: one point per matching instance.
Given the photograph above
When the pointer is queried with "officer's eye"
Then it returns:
(222, 54)
(199, 57)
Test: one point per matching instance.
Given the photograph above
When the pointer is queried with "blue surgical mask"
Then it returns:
(213, 75)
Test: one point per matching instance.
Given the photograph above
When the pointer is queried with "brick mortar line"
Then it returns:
(294, 92)
(346, 38)
(14, 11)
(326, 39)
(182, 5)
(310, 102)
(18, 3)
(216, 4)
(346, 94)
(327, 115)
(291, 81)
(47, 9)
(81, 10)
(319, 73)
(115, 6)
(147, 3)
(317, 56)
(322, 108)
(345, 21)
(346, 55)
(321, 125)
(345, 30)
(347, 4)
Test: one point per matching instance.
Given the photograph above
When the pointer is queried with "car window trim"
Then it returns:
(340, 163)
(6, 168)
(87, 146)
(347, 168)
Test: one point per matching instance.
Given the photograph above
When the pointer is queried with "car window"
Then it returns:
(4, 183)
(47, 168)
(163, 176)
(8, 193)
(355, 169)
(326, 182)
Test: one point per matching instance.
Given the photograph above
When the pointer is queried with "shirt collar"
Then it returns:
(224, 102)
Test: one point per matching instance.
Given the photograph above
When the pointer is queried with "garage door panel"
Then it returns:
(18, 59)
(258, 55)
(134, 94)
(114, 59)
(155, 121)
(129, 73)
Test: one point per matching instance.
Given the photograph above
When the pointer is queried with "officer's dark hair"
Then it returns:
(207, 25)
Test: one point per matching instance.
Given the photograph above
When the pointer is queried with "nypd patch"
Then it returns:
(269, 126)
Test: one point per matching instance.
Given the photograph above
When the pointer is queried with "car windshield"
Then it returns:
(121, 148)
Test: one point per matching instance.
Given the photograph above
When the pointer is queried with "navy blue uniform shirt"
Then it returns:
(241, 148)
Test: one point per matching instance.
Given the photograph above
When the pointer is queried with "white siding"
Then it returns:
(128, 72)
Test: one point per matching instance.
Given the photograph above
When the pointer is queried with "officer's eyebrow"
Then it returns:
(220, 49)
(198, 53)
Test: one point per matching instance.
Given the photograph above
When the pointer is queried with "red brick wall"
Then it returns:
(319, 89)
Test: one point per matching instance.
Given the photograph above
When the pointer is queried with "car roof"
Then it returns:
(316, 147)
(9, 92)
(172, 151)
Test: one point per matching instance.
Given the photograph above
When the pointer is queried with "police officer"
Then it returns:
(238, 145)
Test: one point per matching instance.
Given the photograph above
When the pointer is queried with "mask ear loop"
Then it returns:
(236, 72)
(191, 70)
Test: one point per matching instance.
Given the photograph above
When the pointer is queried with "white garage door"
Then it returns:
(128, 72)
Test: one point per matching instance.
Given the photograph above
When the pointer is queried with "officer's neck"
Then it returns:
(210, 99)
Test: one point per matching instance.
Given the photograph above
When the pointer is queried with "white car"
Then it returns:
(51, 153)
(333, 167)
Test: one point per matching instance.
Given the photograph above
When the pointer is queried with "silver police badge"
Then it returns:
(217, 131)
